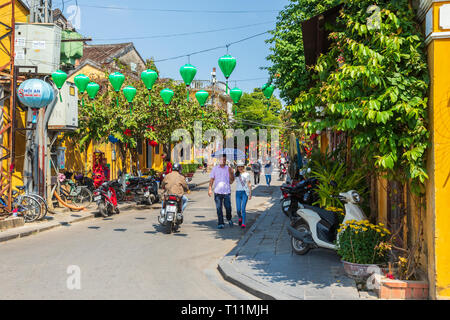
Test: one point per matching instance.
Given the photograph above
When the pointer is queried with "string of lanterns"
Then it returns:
(227, 64)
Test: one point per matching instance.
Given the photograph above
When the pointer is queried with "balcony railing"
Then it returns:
(206, 84)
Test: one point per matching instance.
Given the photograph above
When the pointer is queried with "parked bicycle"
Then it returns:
(40, 199)
(23, 205)
(79, 196)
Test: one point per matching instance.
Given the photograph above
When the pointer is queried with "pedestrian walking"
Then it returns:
(256, 169)
(268, 167)
(243, 192)
(221, 178)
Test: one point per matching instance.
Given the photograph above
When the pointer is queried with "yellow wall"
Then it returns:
(438, 187)
(5, 16)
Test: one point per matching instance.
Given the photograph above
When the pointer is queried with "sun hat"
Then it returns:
(240, 163)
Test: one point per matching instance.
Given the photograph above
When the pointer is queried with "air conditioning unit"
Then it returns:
(65, 114)
(37, 45)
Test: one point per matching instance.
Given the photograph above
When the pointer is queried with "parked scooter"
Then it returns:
(171, 215)
(316, 227)
(106, 199)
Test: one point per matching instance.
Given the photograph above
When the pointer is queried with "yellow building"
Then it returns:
(96, 59)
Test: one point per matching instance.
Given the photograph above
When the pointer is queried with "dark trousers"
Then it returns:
(224, 199)
(256, 177)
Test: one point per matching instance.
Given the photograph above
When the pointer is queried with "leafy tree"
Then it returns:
(253, 112)
(132, 123)
(372, 84)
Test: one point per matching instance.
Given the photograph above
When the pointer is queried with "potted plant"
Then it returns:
(362, 244)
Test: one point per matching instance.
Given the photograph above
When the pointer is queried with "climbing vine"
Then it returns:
(373, 84)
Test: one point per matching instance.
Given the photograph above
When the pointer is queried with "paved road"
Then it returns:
(126, 257)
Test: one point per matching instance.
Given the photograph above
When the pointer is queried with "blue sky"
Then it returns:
(112, 24)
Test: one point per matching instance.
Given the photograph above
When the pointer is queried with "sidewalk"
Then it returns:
(263, 264)
(65, 217)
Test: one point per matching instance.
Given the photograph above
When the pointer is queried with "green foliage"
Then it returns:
(335, 171)
(362, 242)
(373, 85)
(189, 168)
(253, 111)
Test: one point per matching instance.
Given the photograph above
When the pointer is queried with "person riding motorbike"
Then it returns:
(175, 183)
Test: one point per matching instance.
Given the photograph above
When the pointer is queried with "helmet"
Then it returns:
(177, 167)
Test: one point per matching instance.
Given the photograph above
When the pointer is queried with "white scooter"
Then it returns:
(317, 227)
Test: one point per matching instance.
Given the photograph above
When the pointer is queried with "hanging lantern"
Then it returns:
(59, 78)
(113, 139)
(188, 72)
(235, 95)
(227, 63)
(130, 92)
(127, 132)
(116, 79)
(92, 89)
(268, 91)
(36, 94)
(149, 78)
(153, 143)
(81, 81)
(201, 97)
(166, 95)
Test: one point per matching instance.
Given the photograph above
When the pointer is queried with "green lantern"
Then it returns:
(188, 72)
(235, 95)
(130, 92)
(268, 92)
(166, 95)
(227, 63)
(81, 81)
(116, 79)
(92, 89)
(201, 97)
(149, 78)
(59, 78)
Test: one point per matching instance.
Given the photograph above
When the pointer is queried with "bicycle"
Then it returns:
(80, 196)
(40, 199)
(22, 205)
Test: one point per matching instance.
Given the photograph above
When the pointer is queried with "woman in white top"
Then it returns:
(243, 191)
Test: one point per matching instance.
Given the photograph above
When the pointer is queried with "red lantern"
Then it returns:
(153, 143)
(127, 132)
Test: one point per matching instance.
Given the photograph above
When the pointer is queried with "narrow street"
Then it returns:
(127, 257)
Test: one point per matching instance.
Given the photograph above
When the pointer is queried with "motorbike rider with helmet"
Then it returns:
(175, 183)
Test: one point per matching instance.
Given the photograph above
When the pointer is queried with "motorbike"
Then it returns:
(171, 215)
(304, 192)
(317, 228)
(283, 172)
(144, 190)
(105, 197)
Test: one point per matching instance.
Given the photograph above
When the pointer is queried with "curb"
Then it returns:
(230, 274)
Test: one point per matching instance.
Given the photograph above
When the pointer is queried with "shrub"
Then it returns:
(363, 243)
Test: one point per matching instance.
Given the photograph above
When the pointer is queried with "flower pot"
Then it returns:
(402, 289)
(358, 271)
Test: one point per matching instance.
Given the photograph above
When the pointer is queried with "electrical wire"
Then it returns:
(180, 10)
(211, 49)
